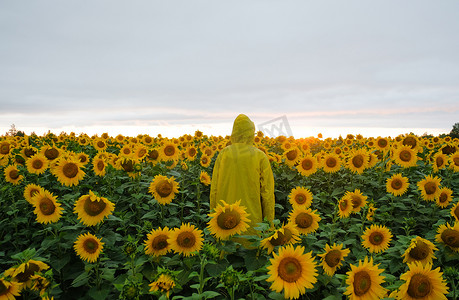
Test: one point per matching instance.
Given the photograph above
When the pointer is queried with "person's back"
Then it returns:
(243, 172)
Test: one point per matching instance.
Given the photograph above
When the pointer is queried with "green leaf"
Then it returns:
(80, 280)
(210, 294)
(96, 294)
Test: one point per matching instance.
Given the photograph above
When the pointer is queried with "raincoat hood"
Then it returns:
(243, 130)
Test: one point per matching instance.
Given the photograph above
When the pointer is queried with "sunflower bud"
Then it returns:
(230, 277)
(131, 290)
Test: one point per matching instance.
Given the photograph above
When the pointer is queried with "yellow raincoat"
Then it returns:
(243, 172)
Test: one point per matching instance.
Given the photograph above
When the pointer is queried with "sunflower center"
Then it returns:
(419, 286)
(307, 164)
(343, 204)
(33, 191)
(100, 165)
(333, 258)
(164, 188)
(70, 170)
(51, 153)
(291, 155)
(127, 166)
(356, 201)
(396, 184)
(94, 208)
(439, 161)
(186, 239)
(29, 270)
(37, 164)
(382, 143)
(303, 220)
(169, 150)
(47, 206)
(29, 152)
(443, 198)
(300, 198)
(456, 160)
(450, 237)
(192, 152)
(362, 283)
(14, 174)
(90, 245)
(410, 141)
(126, 151)
(142, 152)
(204, 160)
(289, 269)
(419, 252)
(430, 188)
(282, 238)
(376, 238)
(357, 161)
(159, 242)
(100, 144)
(82, 158)
(331, 162)
(405, 155)
(153, 154)
(228, 219)
(456, 212)
(5, 148)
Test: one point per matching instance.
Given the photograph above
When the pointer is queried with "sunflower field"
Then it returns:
(102, 217)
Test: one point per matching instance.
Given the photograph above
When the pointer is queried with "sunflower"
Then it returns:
(372, 160)
(157, 242)
(454, 161)
(83, 158)
(164, 284)
(331, 163)
(68, 171)
(186, 239)
(191, 153)
(9, 289)
(88, 247)
(205, 161)
(30, 190)
(305, 219)
(292, 156)
(5, 148)
(420, 250)
(439, 161)
(99, 165)
(92, 209)
(448, 235)
(204, 178)
(307, 165)
(371, 212)
(358, 161)
(333, 257)
(421, 282)
(300, 196)
(99, 144)
(228, 220)
(358, 200)
(37, 164)
(126, 151)
(140, 152)
(382, 144)
(455, 211)
(397, 185)
(293, 271)
(47, 209)
(50, 152)
(376, 238)
(364, 281)
(169, 151)
(405, 156)
(287, 234)
(429, 187)
(345, 207)
(163, 189)
(445, 197)
(12, 174)
(23, 273)
(153, 155)
(411, 141)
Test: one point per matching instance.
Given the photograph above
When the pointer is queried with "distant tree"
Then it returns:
(12, 131)
(455, 131)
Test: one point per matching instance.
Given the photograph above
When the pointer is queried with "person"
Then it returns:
(243, 172)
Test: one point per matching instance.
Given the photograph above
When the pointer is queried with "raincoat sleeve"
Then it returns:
(213, 186)
(267, 189)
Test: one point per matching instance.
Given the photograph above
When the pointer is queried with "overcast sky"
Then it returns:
(172, 67)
